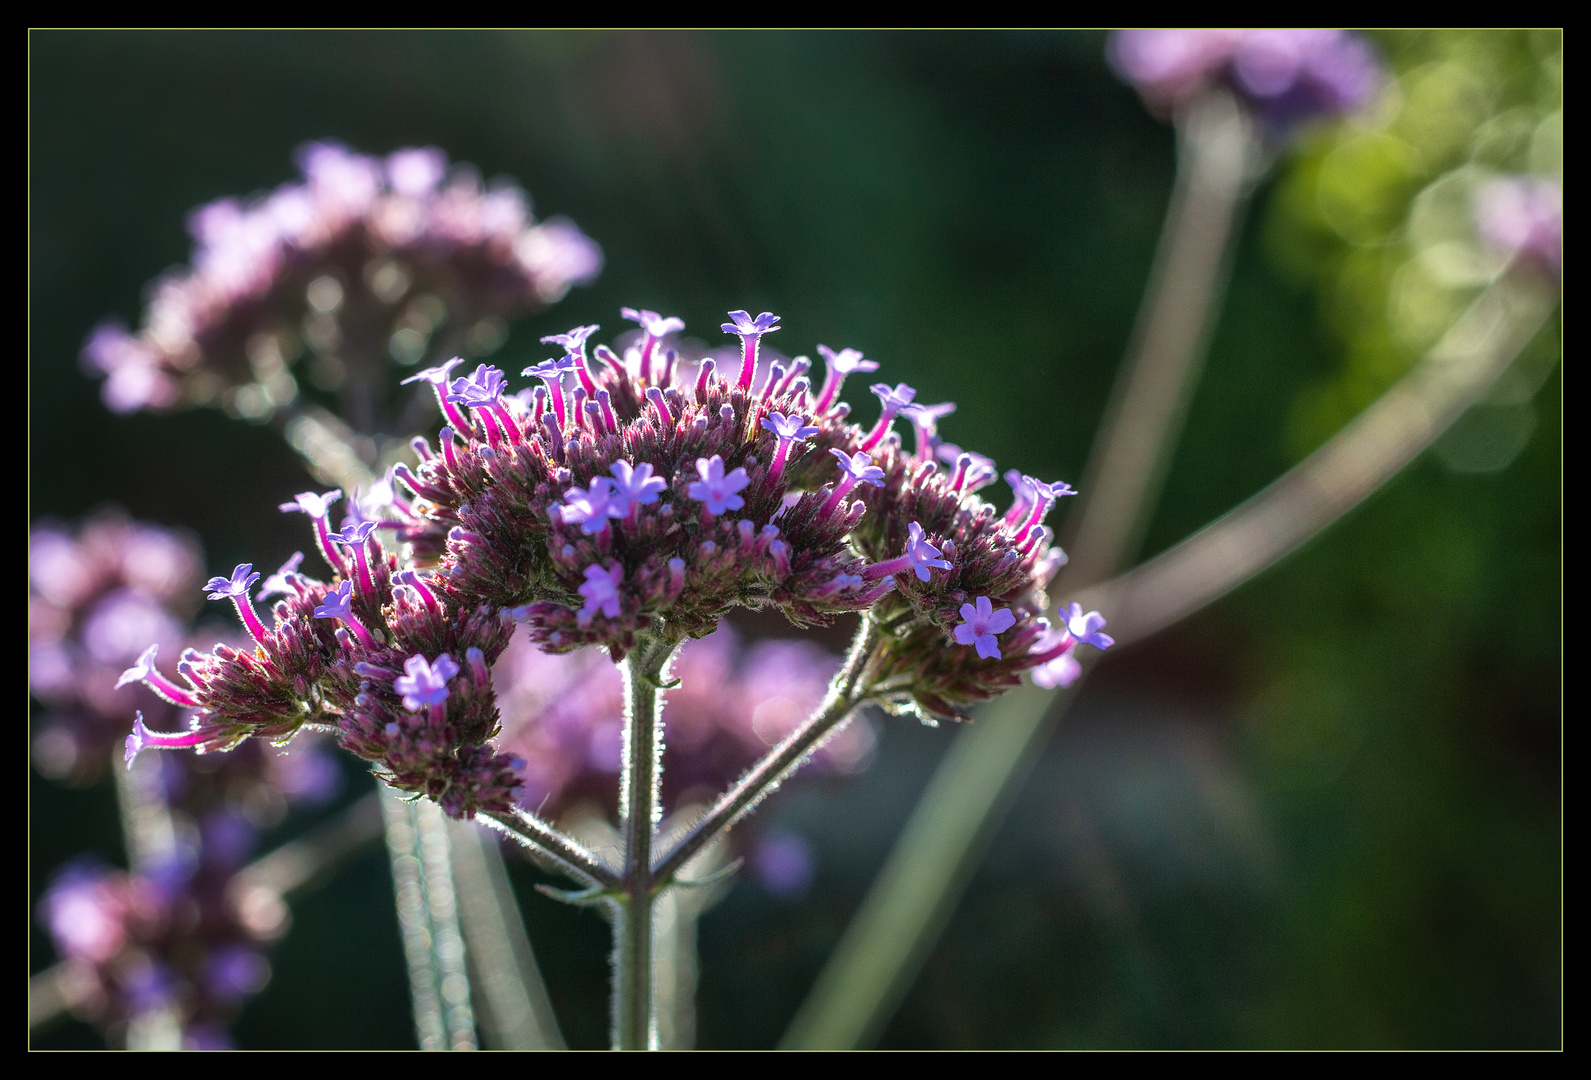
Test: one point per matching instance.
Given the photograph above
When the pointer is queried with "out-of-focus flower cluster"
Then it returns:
(1286, 76)
(99, 596)
(365, 261)
(180, 937)
(186, 936)
(563, 716)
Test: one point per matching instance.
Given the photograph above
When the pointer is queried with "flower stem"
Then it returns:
(838, 704)
(645, 671)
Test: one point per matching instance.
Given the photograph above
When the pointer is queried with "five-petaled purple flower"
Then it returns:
(425, 683)
(787, 429)
(236, 586)
(601, 591)
(858, 468)
(895, 399)
(633, 484)
(717, 490)
(339, 603)
(316, 506)
(479, 390)
(750, 331)
(919, 556)
(437, 376)
(982, 625)
(839, 365)
(574, 341)
(654, 324)
(280, 583)
(1086, 628)
(590, 507)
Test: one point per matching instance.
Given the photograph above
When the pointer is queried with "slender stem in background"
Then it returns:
(922, 880)
(645, 672)
(422, 879)
(764, 777)
(150, 836)
(921, 883)
(1218, 155)
(515, 1011)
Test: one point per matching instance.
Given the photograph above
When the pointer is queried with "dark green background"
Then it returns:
(1324, 812)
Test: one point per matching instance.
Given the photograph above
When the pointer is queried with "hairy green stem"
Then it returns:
(843, 698)
(645, 673)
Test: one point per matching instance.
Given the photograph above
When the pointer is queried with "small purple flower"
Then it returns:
(747, 327)
(981, 626)
(859, 468)
(1086, 628)
(591, 507)
(846, 361)
(235, 587)
(425, 683)
(141, 670)
(716, 489)
(316, 506)
(480, 390)
(437, 376)
(895, 399)
(654, 324)
(280, 583)
(142, 738)
(339, 603)
(921, 553)
(552, 371)
(750, 331)
(1062, 671)
(574, 341)
(355, 535)
(788, 427)
(633, 485)
(601, 591)
(925, 421)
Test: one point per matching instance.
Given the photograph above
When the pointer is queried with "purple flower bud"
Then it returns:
(425, 683)
(716, 489)
(981, 625)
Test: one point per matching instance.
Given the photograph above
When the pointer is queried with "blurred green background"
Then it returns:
(1324, 812)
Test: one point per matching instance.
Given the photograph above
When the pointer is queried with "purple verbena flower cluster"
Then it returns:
(181, 934)
(1286, 76)
(628, 495)
(99, 597)
(364, 259)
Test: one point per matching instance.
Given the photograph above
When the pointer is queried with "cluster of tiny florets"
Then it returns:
(365, 260)
(629, 495)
